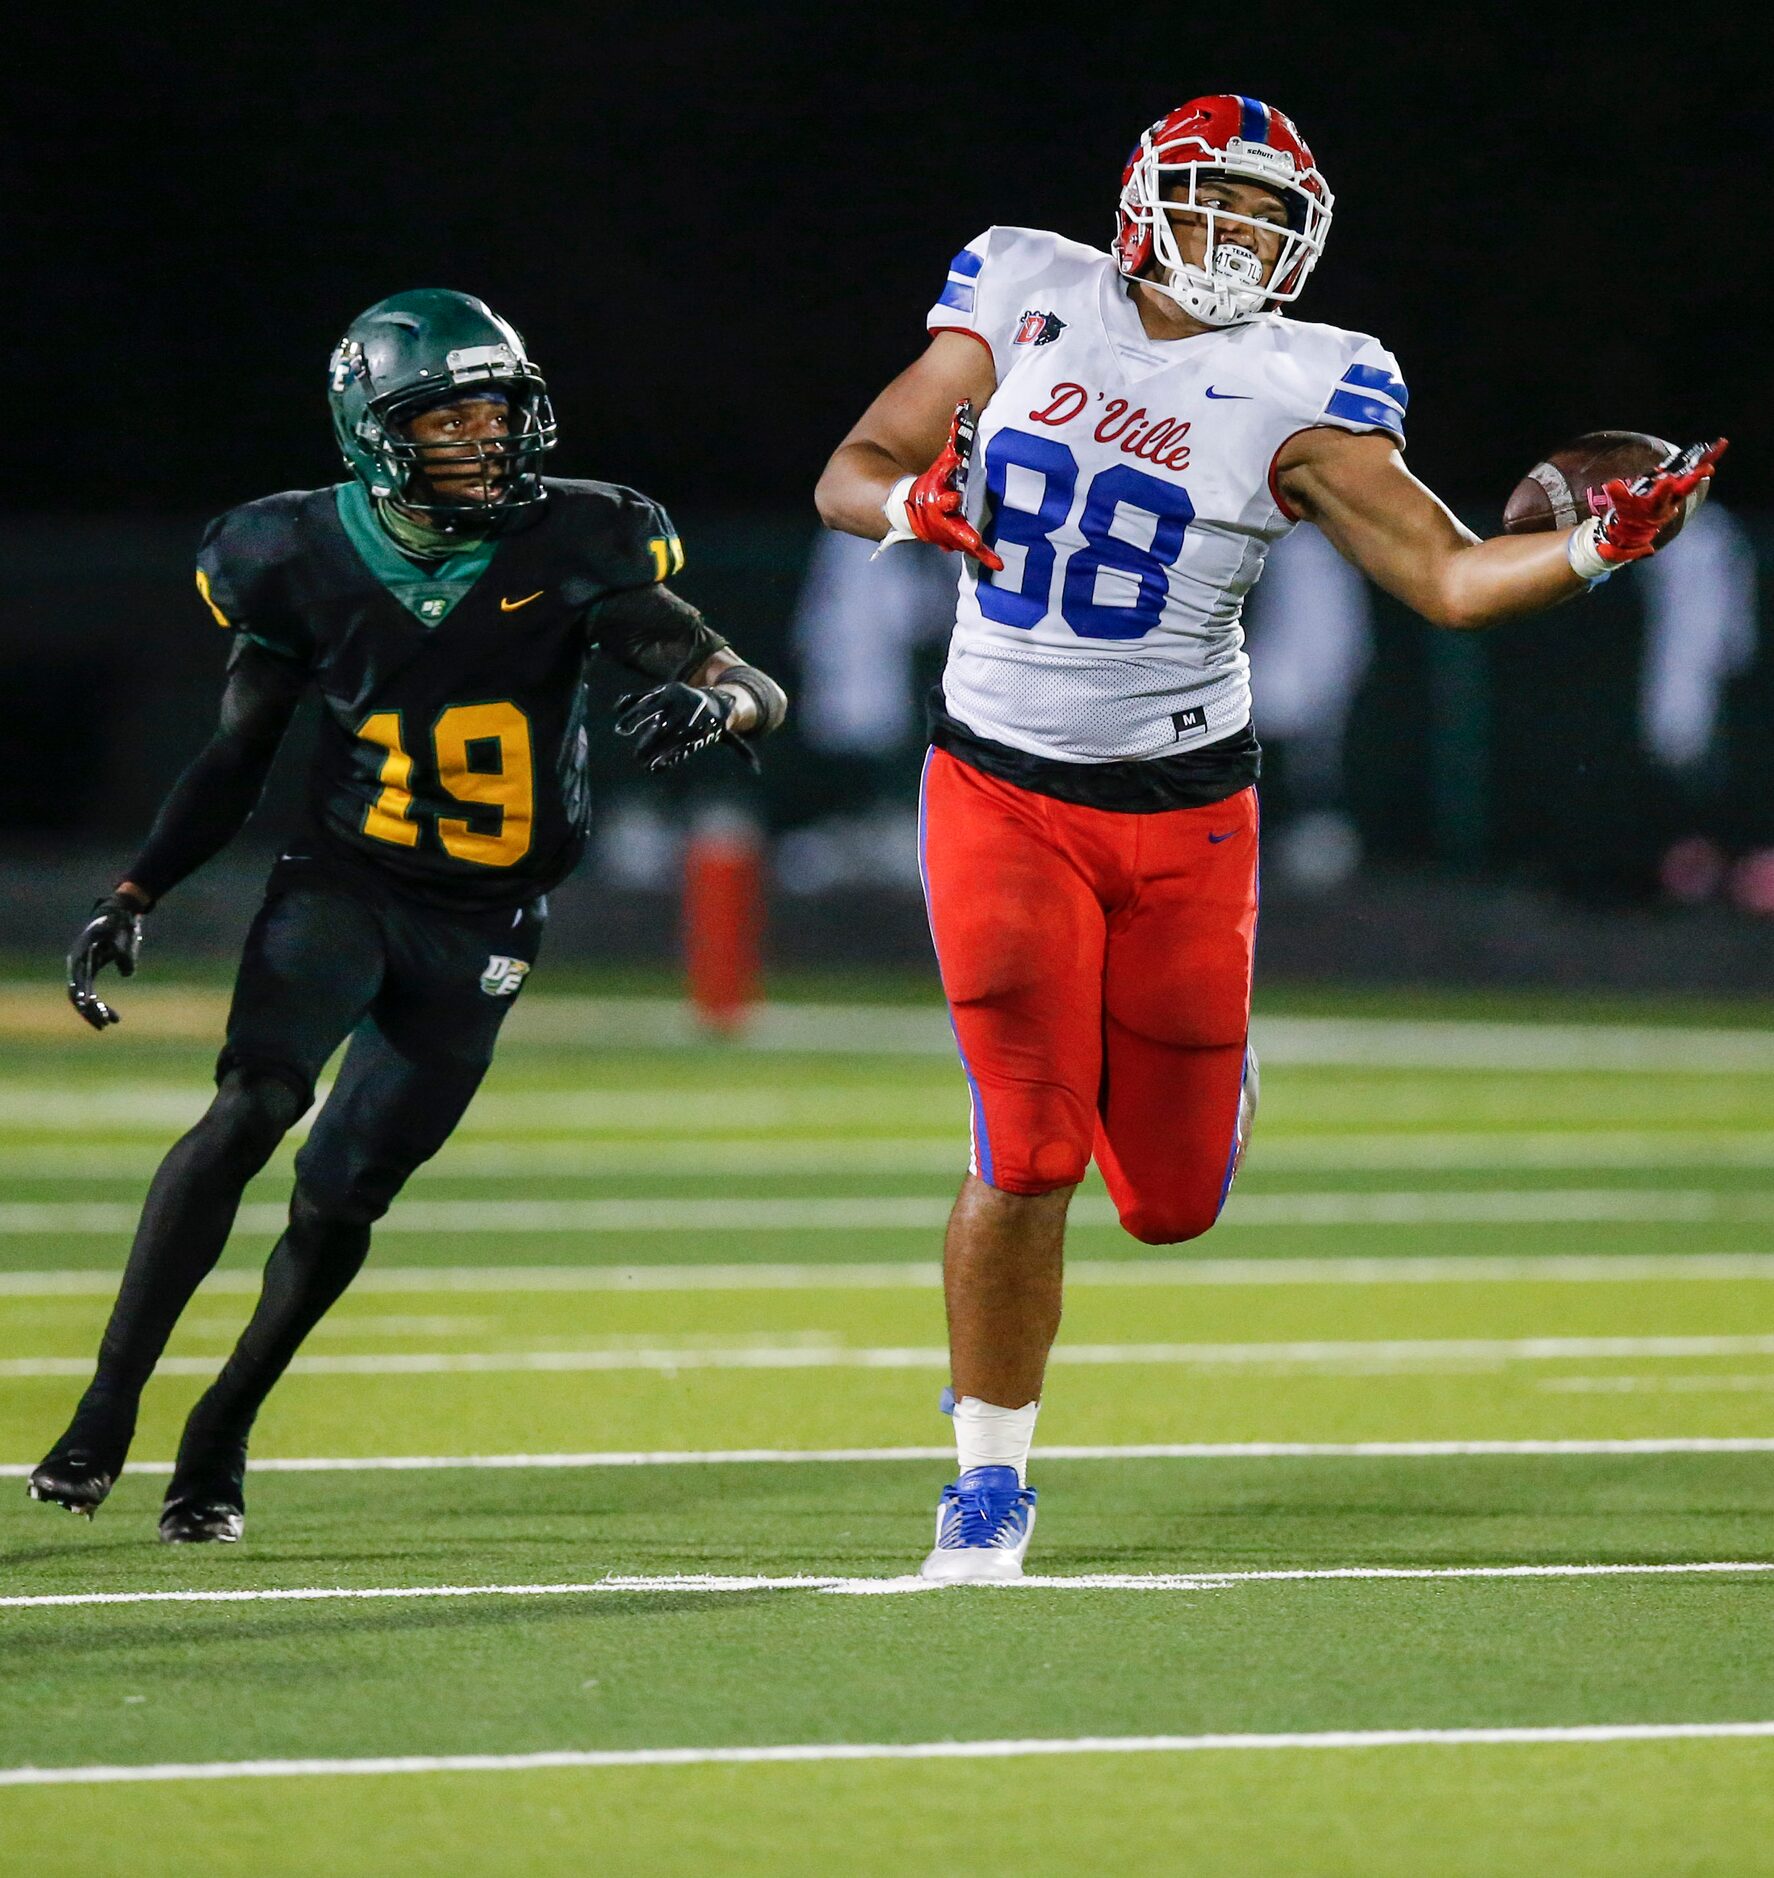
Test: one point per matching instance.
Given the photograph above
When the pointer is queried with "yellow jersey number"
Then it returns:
(509, 787)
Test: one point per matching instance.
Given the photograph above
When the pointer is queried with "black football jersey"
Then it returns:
(453, 742)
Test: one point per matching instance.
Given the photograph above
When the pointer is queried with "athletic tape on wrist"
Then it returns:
(1580, 550)
(899, 521)
(764, 692)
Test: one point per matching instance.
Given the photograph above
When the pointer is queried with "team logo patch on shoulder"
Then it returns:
(503, 977)
(1037, 328)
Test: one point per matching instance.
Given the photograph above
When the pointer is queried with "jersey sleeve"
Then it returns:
(239, 581)
(1370, 395)
(970, 301)
(629, 541)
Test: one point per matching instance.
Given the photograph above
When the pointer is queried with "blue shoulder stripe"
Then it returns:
(1355, 409)
(1253, 120)
(958, 295)
(1377, 378)
(966, 263)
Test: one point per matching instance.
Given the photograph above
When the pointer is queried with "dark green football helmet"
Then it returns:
(414, 350)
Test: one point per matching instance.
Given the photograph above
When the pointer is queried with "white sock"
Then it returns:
(987, 1436)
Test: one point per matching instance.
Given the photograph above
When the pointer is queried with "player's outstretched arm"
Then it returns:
(902, 436)
(709, 694)
(1357, 489)
(207, 808)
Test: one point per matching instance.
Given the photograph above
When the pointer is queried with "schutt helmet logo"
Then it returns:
(1038, 329)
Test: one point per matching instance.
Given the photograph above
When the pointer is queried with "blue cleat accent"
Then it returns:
(984, 1522)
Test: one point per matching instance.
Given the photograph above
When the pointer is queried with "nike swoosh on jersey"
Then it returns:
(1215, 840)
(1244, 397)
(511, 606)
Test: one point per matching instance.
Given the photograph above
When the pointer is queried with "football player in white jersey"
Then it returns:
(1149, 421)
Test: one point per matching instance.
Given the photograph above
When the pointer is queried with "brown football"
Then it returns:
(1555, 492)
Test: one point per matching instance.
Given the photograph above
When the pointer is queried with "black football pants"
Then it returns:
(420, 993)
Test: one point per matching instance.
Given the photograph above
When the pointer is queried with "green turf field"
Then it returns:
(1418, 1521)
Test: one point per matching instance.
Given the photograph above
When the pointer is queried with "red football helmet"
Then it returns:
(1238, 138)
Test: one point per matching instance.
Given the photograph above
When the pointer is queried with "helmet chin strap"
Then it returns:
(1227, 292)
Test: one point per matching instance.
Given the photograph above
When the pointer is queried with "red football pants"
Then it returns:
(1097, 966)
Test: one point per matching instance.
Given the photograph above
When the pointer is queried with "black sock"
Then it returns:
(312, 1264)
(184, 1226)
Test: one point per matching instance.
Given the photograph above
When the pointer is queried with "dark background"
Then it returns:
(719, 230)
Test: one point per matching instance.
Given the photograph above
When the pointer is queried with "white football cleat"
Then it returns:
(984, 1522)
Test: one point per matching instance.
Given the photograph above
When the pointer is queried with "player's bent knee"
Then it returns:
(1170, 1221)
(1027, 1164)
(251, 1113)
(1015, 1186)
(322, 1205)
(349, 1186)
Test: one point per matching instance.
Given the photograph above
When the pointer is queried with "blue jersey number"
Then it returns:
(1122, 487)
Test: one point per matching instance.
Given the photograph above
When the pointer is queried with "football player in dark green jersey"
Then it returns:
(444, 601)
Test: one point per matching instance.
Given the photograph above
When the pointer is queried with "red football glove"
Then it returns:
(1631, 514)
(932, 502)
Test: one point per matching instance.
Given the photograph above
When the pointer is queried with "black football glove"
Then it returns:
(672, 722)
(113, 936)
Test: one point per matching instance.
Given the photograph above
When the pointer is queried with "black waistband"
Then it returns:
(1189, 779)
(315, 853)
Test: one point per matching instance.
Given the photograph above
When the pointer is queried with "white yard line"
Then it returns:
(812, 1353)
(722, 1583)
(1383, 1044)
(1595, 1734)
(1408, 1352)
(922, 1274)
(1046, 1452)
(920, 1213)
(524, 1158)
(913, 1030)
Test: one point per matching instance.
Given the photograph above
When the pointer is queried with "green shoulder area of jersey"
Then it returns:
(429, 593)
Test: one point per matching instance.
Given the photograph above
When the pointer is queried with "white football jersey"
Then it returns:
(1126, 483)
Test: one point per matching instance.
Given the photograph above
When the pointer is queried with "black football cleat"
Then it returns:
(82, 1468)
(206, 1499)
(201, 1522)
(72, 1477)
